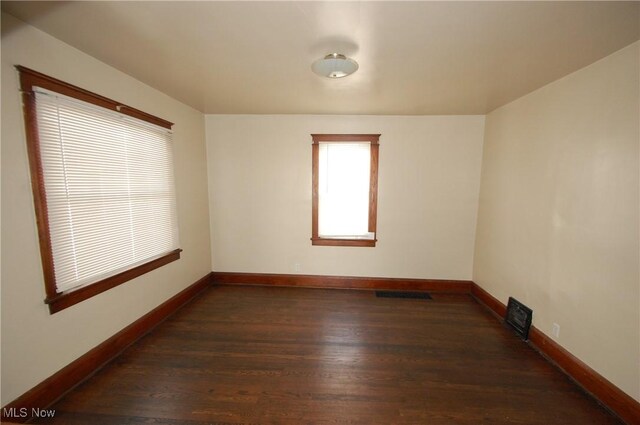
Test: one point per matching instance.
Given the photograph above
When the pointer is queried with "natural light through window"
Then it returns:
(345, 186)
(343, 190)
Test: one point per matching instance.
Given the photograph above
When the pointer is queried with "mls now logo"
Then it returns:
(23, 412)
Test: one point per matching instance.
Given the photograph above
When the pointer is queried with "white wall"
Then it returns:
(260, 195)
(36, 344)
(559, 216)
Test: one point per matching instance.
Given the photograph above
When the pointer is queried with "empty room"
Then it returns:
(314, 212)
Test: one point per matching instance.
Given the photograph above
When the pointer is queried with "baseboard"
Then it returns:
(342, 282)
(612, 397)
(53, 388)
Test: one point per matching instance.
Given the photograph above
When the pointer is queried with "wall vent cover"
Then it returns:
(519, 317)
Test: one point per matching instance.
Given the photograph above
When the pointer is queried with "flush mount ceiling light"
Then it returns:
(334, 65)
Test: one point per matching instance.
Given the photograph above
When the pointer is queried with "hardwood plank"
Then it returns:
(591, 381)
(51, 389)
(266, 355)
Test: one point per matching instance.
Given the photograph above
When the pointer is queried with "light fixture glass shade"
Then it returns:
(334, 65)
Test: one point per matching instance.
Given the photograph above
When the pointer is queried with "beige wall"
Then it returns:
(260, 195)
(558, 219)
(558, 215)
(36, 344)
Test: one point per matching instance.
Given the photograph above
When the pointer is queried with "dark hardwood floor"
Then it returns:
(257, 355)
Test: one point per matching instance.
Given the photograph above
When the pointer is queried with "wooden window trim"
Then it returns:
(58, 301)
(374, 139)
(30, 78)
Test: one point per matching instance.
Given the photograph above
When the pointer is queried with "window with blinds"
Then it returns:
(106, 186)
(345, 173)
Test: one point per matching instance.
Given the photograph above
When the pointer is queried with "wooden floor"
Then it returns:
(255, 355)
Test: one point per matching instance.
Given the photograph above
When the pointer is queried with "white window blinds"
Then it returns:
(109, 188)
(343, 190)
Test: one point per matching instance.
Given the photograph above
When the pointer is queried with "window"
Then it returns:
(103, 186)
(345, 189)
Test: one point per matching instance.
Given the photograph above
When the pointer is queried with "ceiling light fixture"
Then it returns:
(334, 65)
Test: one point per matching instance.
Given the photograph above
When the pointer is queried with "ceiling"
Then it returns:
(416, 58)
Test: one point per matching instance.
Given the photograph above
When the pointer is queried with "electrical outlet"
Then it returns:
(555, 330)
(296, 267)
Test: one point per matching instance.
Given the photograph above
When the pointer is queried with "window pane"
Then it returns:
(343, 189)
(109, 189)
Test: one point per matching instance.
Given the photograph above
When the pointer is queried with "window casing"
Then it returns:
(344, 189)
(103, 186)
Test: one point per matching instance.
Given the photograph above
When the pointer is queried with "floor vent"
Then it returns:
(519, 317)
(403, 294)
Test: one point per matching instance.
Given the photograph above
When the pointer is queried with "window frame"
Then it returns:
(374, 140)
(58, 301)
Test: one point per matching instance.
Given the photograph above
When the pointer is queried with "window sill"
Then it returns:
(343, 242)
(67, 299)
